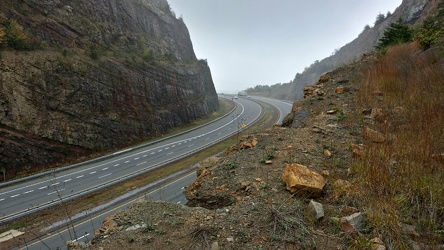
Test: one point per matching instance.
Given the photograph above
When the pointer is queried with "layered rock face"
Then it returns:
(61, 96)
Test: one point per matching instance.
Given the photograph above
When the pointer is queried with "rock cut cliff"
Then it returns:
(106, 73)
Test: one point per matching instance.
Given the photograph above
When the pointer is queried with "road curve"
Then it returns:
(53, 188)
(83, 230)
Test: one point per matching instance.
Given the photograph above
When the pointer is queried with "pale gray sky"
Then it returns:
(251, 42)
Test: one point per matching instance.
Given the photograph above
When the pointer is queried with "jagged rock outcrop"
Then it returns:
(114, 72)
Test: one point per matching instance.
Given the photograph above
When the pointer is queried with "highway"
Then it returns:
(18, 200)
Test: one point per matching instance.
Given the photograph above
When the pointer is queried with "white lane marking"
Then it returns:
(81, 237)
(207, 139)
(153, 153)
(179, 144)
(55, 184)
(105, 175)
(93, 172)
(144, 155)
(56, 191)
(160, 150)
(141, 163)
(132, 155)
(105, 168)
(190, 145)
(27, 192)
(167, 148)
(67, 180)
(126, 161)
(2, 199)
(173, 146)
(170, 153)
(13, 196)
(42, 187)
(136, 158)
(178, 202)
(116, 165)
(80, 176)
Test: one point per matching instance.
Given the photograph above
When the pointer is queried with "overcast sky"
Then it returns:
(251, 42)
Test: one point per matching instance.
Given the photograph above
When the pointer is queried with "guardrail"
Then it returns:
(98, 159)
(126, 177)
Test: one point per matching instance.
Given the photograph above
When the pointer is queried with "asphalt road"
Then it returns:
(57, 187)
(23, 198)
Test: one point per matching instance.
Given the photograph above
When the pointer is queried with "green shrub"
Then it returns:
(16, 37)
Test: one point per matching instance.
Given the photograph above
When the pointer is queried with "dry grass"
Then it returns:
(401, 179)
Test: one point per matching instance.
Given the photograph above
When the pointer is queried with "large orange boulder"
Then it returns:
(301, 180)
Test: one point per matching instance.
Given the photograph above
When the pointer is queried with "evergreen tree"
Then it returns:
(396, 33)
(432, 28)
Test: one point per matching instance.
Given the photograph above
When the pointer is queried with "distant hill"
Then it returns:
(411, 11)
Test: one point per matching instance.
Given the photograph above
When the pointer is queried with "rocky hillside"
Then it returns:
(410, 11)
(85, 76)
(357, 164)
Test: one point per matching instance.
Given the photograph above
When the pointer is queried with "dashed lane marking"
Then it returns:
(105, 175)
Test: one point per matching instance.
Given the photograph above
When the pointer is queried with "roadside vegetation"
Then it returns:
(399, 181)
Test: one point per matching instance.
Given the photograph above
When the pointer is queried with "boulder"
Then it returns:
(316, 209)
(352, 223)
(301, 180)
(373, 135)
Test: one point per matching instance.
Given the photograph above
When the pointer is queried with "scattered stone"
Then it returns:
(358, 150)
(325, 173)
(301, 180)
(268, 162)
(308, 91)
(377, 244)
(76, 245)
(373, 135)
(376, 112)
(346, 210)
(316, 209)
(331, 112)
(108, 224)
(366, 112)
(135, 227)
(378, 92)
(316, 130)
(327, 153)
(352, 223)
(230, 239)
(340, 89)
(215, 245)
(398, 110)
